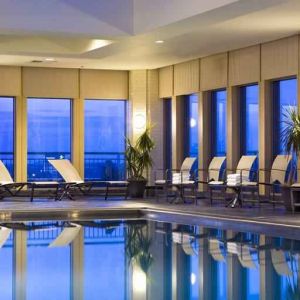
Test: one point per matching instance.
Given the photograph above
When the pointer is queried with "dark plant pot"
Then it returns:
(136, 188)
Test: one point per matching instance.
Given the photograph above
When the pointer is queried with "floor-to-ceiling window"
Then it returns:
(191, 125)
(7, 132)
(49, 135)
(105, 132)
(249, 96)
(219, 132)
(284, 98)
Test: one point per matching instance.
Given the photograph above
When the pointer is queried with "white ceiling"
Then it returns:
(121, 34)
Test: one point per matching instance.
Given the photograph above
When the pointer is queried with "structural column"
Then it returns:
(155, 115)
(21, 139)
(77, 256)
(233, 128)
(205, 269)
(78, 135)
(266, 270)
(204, 136)
(234, 273)
(265, 132)
(177, 131)
(20, 259)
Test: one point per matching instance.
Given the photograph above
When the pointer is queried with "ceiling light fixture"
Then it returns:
(159, 42)
(49, 59)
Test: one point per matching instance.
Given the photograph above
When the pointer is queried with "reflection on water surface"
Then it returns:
(143, 260)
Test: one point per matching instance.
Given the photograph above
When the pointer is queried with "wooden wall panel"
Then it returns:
(214, 71)
(103, 84)
(166, 82)
(279, 58)
(186, 77)
(156, 116)
(177, 131)
(244, 66)
(51, 82)
(10, 81)
(138, 100)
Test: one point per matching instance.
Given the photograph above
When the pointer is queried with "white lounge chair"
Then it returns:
(215, 175)
(4, 235)
(8, 186)
(215, 249)
(67, 235)
(279, 176)
(186, 241)
(243, 252)
(279, 262)
(235, 181)
(180, 178)
(70, 175)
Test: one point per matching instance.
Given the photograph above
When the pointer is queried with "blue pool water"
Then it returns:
(139, 259)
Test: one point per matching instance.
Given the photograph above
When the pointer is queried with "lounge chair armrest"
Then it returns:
(265, 183)
(201, 181)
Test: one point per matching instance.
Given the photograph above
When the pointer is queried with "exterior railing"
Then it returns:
(98, 165)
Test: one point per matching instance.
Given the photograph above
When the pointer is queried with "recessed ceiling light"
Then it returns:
(159, 42)
(49, 59)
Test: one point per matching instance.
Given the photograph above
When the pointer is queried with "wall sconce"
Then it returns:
(139, 121)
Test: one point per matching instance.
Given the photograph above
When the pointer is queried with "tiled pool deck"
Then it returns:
(265, 219)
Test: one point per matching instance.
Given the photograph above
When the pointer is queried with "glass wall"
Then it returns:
(7, 132)
(219, 131)
(49, 136)
(192, 125)
(285, 97)
(249, 96)
(105, 132)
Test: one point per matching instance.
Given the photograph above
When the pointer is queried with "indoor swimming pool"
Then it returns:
(140, 259)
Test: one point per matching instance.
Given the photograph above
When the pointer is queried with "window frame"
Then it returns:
(71, 102)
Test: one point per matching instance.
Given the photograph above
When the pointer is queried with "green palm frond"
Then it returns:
(138, 156)
(290, 135)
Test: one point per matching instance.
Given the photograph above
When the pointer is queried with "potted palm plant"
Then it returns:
(290, 137)
(139, 160)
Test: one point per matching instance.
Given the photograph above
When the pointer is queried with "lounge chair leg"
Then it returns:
(106, 192)
(292, 201)
(32, 193)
